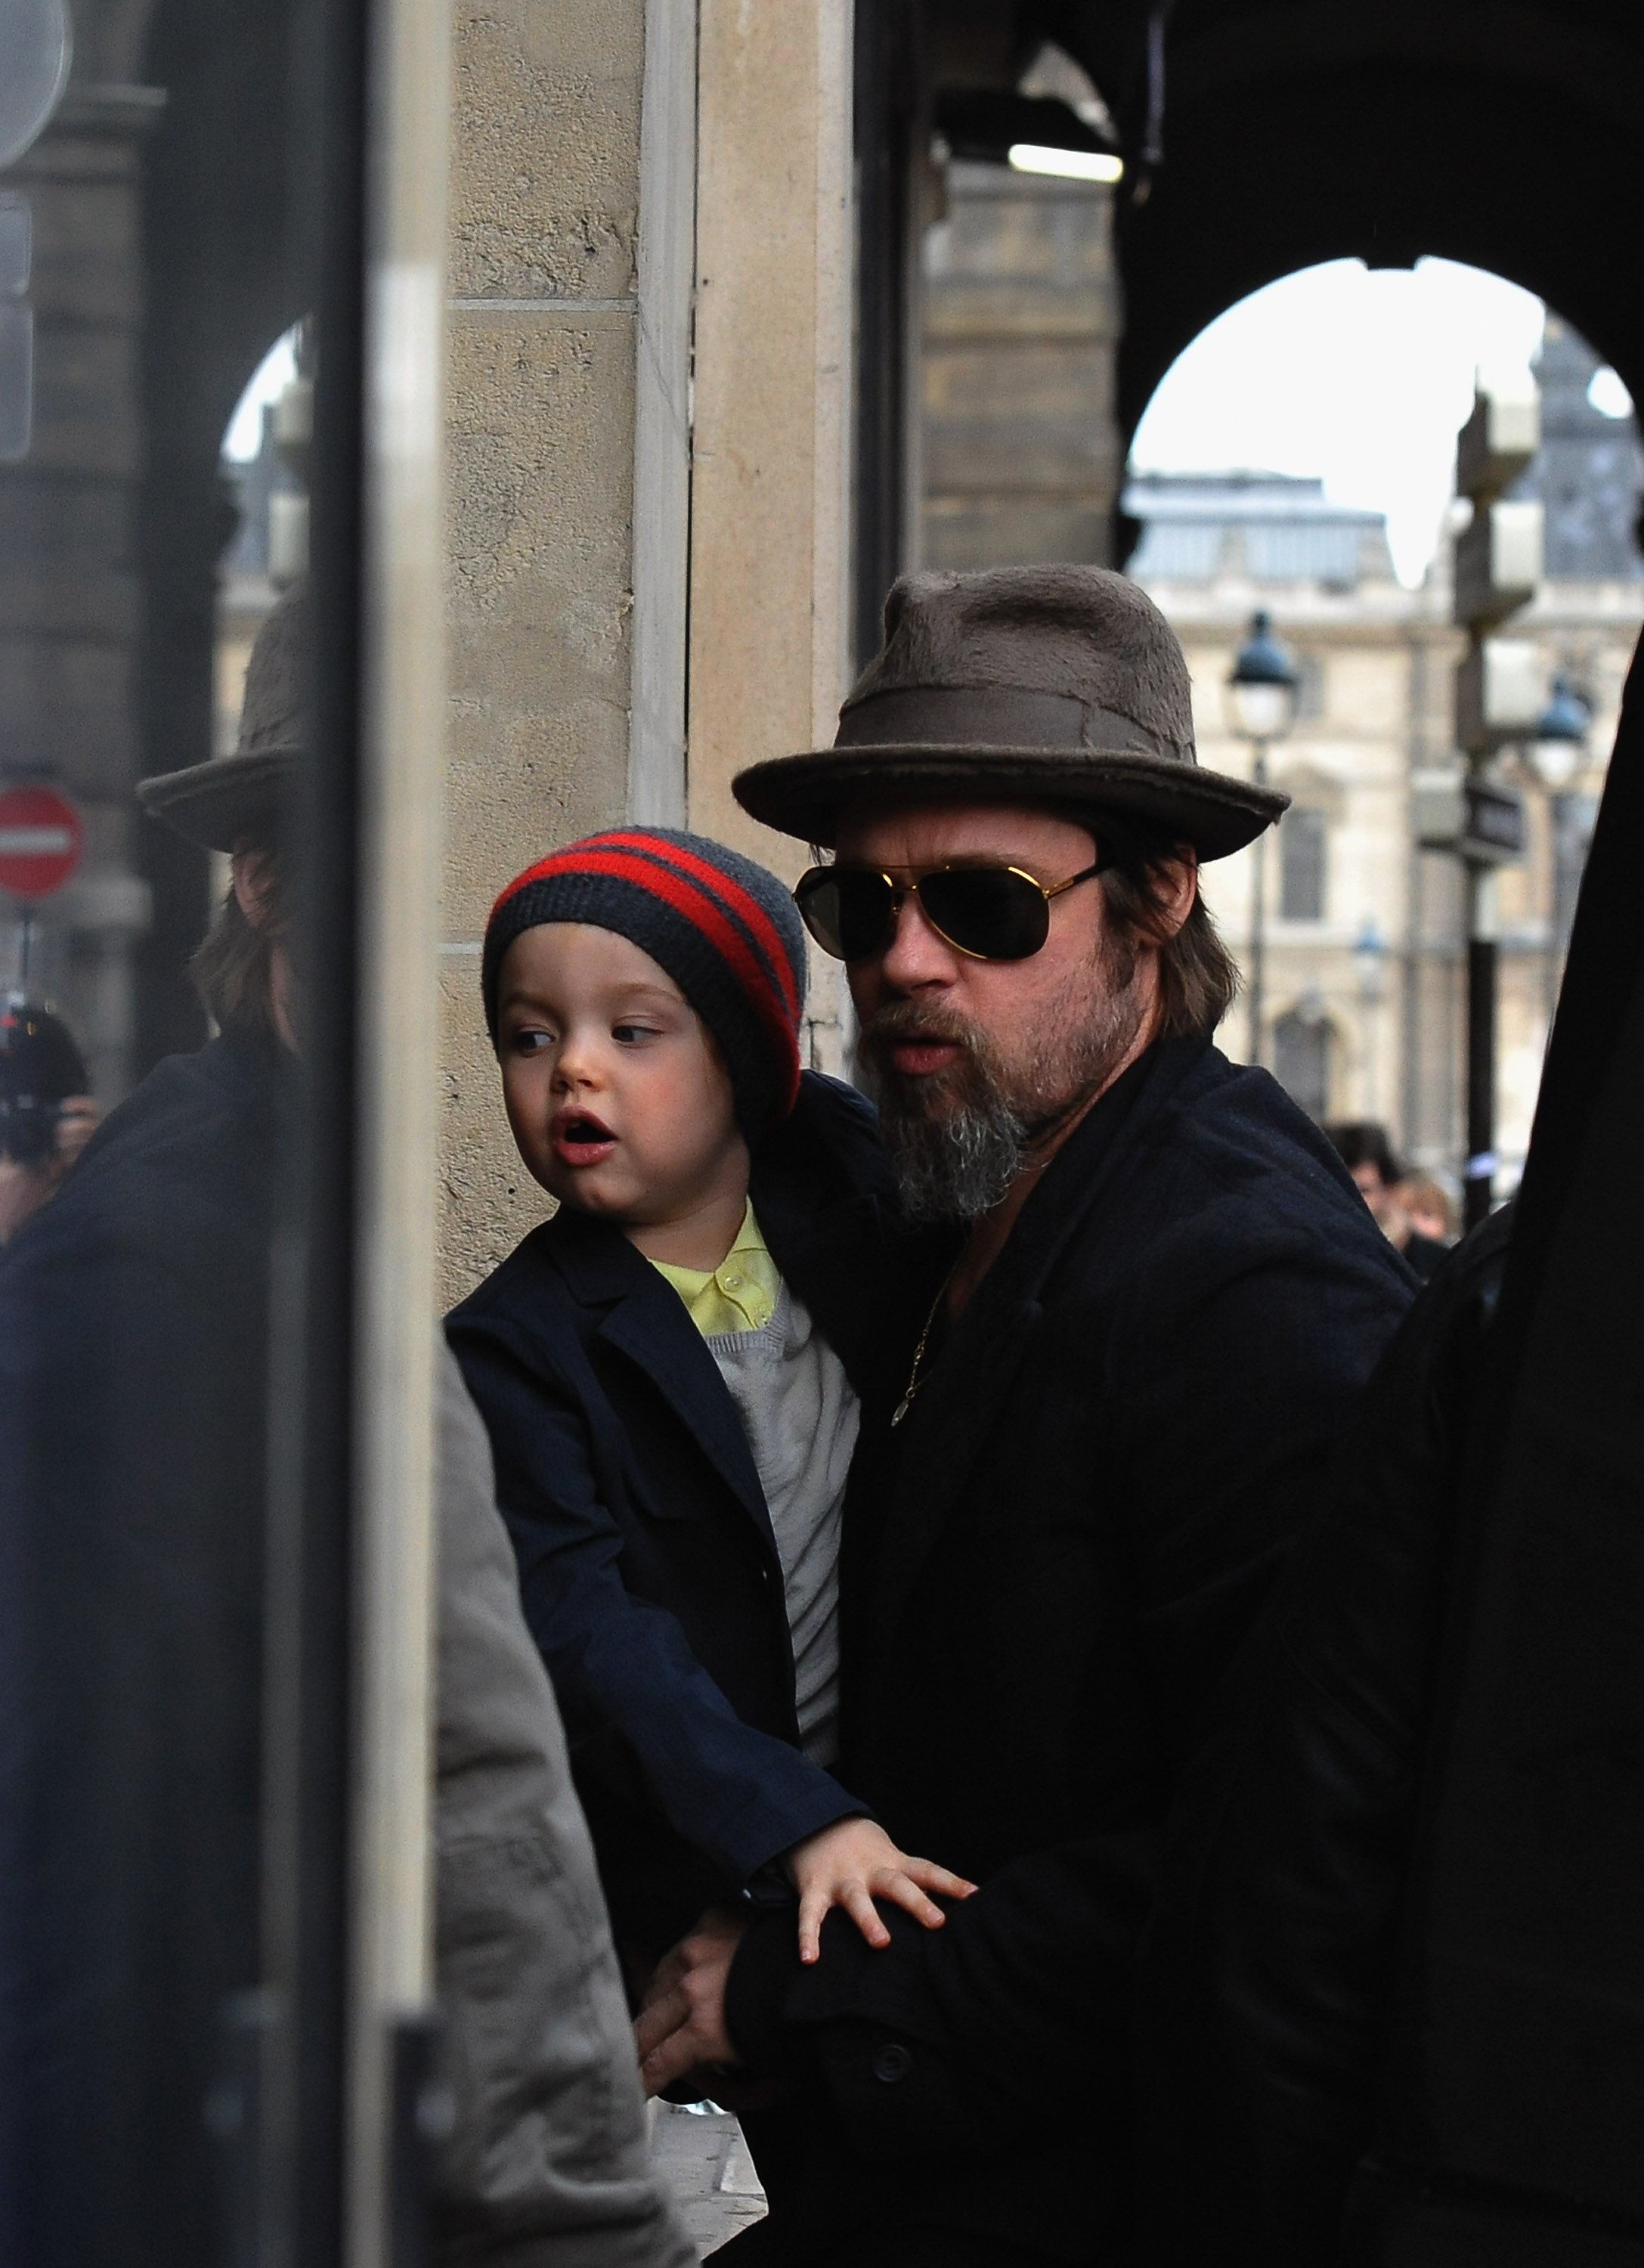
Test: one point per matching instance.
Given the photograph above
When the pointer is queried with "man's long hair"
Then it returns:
(231, 968)
(1199, 979)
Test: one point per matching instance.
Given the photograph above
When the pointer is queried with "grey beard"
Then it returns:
(958, 1163)
(958, 1167)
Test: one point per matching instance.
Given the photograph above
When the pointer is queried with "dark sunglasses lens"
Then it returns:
(849, 913)
(988, 910)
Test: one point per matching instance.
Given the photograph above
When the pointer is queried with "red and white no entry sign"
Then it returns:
(41, 840)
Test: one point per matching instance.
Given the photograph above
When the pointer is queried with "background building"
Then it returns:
(1364, 1006)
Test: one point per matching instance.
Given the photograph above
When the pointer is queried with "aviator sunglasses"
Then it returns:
(988, 913)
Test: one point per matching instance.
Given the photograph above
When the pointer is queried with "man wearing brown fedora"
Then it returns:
(1152, 1293)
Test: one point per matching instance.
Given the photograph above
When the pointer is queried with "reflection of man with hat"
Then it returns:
(135, 1379)
(1153, 1294)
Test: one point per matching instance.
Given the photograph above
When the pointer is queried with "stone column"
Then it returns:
(1022, 456)
(638, 189)
(545, 191)
(770, 489)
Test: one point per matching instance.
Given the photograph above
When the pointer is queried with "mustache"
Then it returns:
(904, 1020)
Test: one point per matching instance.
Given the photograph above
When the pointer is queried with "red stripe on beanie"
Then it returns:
(701, 870)
(740, 901)
(688, 899)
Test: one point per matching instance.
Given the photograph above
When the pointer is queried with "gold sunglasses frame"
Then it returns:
(900, 892)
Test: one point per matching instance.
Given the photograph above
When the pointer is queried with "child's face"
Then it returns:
(618, 1098)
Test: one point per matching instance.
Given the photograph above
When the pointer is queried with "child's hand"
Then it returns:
(852, 1863)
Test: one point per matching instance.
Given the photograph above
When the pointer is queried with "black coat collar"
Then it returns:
(937, 1445)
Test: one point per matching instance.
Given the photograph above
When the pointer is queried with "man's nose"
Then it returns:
(917, 955)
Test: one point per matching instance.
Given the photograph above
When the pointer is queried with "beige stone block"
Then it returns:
(1370, 689)
(1063, 236)
(1011, 310)
(768, 574)
(1046, 458)
(541, 420)
(1018, 382)
(545, 150)
(1014, 533)
(489, 1200)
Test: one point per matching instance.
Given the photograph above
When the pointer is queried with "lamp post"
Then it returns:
(1263, 689)
(1555, 754)
(1369, 962)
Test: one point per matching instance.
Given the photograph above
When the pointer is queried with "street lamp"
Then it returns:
(1559, 749)
(1263, 689)
(1556, 752)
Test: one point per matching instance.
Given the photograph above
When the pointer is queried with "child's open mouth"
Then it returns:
(582, 1140)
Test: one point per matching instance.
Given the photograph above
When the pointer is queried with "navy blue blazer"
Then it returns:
(648, 1567)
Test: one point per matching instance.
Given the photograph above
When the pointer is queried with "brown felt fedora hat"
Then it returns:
(1064, 684)
(235, 799)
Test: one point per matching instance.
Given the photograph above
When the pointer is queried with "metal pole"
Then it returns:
(1259, 924)
(1479, 1179)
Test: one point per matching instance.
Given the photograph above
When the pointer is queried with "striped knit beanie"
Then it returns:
(724, 929)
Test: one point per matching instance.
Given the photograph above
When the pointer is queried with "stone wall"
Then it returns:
(560, 284)
(544, 193)
(1021, 329)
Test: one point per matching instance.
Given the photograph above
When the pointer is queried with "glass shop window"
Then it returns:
(1302, 839)
(187, 1238)
(1302, 1047)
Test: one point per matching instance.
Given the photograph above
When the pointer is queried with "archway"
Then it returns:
(1338, 383)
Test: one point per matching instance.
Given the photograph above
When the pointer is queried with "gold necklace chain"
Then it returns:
(914, 1378)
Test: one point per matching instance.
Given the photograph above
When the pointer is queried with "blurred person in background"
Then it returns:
(1428, 1209)
(134, 1399)
(47, 1113)
(1366, 1151)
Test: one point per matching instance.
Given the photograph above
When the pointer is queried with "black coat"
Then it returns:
(1049, 1566)
(648, 1567)
(1269, 1979)
(132, 1391)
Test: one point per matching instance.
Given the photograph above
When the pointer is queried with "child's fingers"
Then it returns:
(929, 1876)
(902, 1890)
(858, 1903)
(812, 1907)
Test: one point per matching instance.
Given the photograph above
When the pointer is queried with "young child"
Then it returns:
(669, 1370)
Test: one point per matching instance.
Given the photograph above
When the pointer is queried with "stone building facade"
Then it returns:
(1364, 941)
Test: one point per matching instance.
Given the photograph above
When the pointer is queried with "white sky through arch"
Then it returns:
(1361, 376)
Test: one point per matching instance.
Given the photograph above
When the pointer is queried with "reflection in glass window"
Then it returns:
(1302, 846)
(156, 1082)
(1300, 1060)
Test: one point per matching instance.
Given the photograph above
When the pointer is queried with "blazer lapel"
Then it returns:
(647, 1322)
(938, 1446)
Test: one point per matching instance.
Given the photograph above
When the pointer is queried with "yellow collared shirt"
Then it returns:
(739, 1295)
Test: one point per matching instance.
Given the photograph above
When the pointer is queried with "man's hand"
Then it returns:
(682, 2022)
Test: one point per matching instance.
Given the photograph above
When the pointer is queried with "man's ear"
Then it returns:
(1172, 887)
(254, 887)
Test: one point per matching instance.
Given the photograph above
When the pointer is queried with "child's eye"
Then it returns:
(630, 1035)
(530, 1043)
